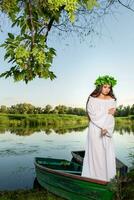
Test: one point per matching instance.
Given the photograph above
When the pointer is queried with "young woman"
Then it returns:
(99, 161)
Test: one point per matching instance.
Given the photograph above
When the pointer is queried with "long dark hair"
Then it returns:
(97, 92)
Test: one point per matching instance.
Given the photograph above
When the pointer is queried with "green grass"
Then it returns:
(42, 119)
(28, 195)
(26, 124)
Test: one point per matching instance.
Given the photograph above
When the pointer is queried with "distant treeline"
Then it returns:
(124, 111)
(26, 108)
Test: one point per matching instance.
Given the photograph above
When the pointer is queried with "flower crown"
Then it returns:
(101, 80)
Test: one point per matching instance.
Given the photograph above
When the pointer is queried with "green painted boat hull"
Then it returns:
(63, 178)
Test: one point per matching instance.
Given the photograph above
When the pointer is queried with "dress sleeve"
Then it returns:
(110, 122)
(96, 117)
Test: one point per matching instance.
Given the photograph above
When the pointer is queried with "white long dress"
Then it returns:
(99, 161)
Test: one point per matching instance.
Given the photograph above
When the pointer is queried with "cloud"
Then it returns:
(8, 101)
(125, 102)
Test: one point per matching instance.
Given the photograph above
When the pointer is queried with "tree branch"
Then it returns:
(126, 6)
(31, 22)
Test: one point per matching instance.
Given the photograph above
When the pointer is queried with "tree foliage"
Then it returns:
(124, 111)
(27, 108)
(28, 51)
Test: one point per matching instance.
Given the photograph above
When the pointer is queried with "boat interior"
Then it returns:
(60, 165)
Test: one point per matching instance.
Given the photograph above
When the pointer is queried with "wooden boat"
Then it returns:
(121, 168)
(63, 178)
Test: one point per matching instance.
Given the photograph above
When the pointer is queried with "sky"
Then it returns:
(77, 65)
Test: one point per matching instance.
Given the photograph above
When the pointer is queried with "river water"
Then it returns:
(17, 152)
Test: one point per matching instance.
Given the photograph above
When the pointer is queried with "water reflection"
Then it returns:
(28, 130)
(15, 152)
(129, 129)
(24, 131)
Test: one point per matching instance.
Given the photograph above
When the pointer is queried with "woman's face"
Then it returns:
(105, 89)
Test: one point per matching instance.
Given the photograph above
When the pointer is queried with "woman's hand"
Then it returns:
(103, 132)
(112, 111)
